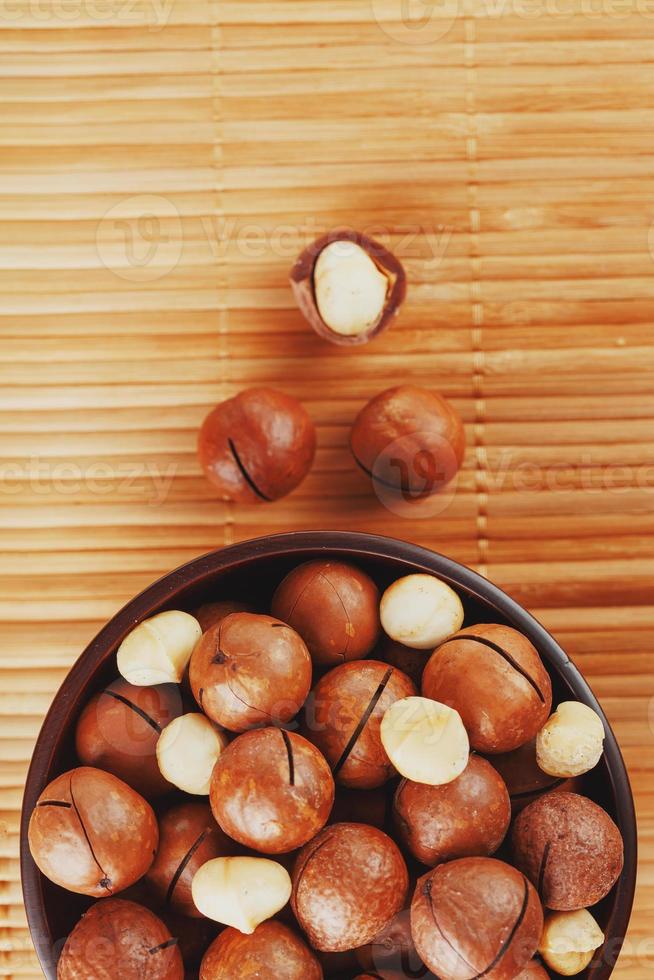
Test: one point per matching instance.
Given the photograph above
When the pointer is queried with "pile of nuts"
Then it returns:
(321, 811)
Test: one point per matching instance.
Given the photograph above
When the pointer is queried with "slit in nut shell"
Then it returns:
(348, 286)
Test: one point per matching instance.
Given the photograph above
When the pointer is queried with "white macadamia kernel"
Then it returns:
(241, 891)
(571, 742)
(187, 751)
(349, 288)
(158, 649)
(420, 611)
(425, 740)
(569, 941)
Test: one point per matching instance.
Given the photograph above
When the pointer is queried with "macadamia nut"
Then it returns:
(420, 611)
(571, 742)
(187, 751)
(569, 940)
(425, 740)
(241, 891)
(350, 289)
(158, 649)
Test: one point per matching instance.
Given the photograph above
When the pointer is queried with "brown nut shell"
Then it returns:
(119, 729)
(476, 917)
(250, 670)
(468, 817)
(533, 971)
(524, 778)
(119, 939)
(272, 950)
(409, 440)
(334, 607)
(348, 883)
(494, 677)
(302, 284)
(257, 446)
(393, 949)
(569, 848)
(344, 715)
(212, 613)
(188, 838)
(271, 790)
(92, 834)
(410, 661)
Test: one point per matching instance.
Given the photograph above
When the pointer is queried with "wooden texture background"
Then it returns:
(162, 162)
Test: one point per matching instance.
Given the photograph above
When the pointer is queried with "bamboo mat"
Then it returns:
(161, 164)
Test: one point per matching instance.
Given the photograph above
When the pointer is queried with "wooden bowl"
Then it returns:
(251, 570)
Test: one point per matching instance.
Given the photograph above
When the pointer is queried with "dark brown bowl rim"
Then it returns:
(355, 545)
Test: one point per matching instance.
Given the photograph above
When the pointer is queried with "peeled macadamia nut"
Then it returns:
(250, 670)
(569, 941)
(272, 790)
(333, 606)
(475, 917)
(524, 778)
(425, 741)
(410, 441)
(569, 848)
(571, 742)
(158, 649)
(92, 833)
(494, 677)
(187, 751)
(350, 289)
(241, 891)
(257, 446)
(188, 838)
(119, 729)
(348, 883)
(344, 715)
(465, 818)
(119, 939)
(348, 286)
(420, 611)
(272, 950)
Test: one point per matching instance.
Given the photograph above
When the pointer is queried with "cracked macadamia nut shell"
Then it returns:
(250, 670)
(465, 818)
(188, 838)
(333, 606)
(409, 440)
(348, 883)
(92, 834)
(570, 848)
(119, 940)
(119, 728)
(272, 950)
(476, 917)
(272, 790)
(494, 677)
(524, 778)
(344, 715)
(257, 446)
(303, 283)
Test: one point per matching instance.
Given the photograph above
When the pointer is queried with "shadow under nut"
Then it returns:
(494, 677)
(348, 883)
(570, 849)
(476, 917)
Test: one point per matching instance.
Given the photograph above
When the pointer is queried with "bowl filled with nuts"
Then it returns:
(326, 754)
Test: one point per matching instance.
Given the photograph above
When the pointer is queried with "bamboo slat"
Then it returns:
(161, 164)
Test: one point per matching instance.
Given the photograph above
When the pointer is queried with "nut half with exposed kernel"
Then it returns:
(571, 742)
(187, 751)
(241, 891)
(348, 286)
(425, 741)
(420, 611)
(569, 941)
(158, 649)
